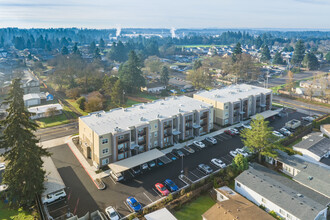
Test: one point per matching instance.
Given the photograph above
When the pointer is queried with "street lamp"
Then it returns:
(181, 164)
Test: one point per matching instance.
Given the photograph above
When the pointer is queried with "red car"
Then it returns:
(229, 132)
(162, 189)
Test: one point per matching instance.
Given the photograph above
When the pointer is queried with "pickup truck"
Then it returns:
(293, 124)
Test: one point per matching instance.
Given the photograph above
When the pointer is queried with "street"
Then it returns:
(46, 134)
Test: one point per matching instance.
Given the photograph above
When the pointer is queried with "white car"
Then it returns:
(199, 144)
(53, 197)
(247, 126)
(116, 176)
(218, 163)
(241, 151)
(205, 168)
(111, 213)
(278, 134)
(308, 118)
(211, 140)
(2, 166)
(233, 153)
(144, 166)
(285, 131)
(234, 130)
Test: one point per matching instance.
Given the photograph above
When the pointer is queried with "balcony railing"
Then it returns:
(167, 126)
(188, 119)
(204, 116)
(141, 133)
(120, 141)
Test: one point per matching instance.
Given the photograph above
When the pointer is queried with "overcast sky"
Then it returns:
(166, 13)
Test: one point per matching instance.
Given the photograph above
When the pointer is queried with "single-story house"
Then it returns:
(32, 99)
(231, 205)
(325, 129)
(155, 87)
(314, 146)
(44, 110)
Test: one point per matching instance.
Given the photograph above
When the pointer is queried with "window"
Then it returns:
(238, 184)
(226, 107)
(263, 200)
(155, 143)
(105, 140)
(120, 137)
(282, 212)
(105, 161)
(156, 125)
(289, 216)
(105, 151)
(156, 134)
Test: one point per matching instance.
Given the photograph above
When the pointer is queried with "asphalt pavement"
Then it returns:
(83, 196)
(46, 134)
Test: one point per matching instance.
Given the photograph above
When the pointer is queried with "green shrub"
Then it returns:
(81, 101)
(182, 192)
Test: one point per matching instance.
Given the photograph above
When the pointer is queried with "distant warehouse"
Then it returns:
(236, 103)
(107, 137)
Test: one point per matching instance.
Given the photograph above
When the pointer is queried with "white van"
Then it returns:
(47, 199)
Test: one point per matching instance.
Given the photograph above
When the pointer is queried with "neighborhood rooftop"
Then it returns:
(233, 93)
(315, 143)
(311, 175)
(295, 198)
(123, 118)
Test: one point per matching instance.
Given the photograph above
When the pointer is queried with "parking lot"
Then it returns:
(83, 195)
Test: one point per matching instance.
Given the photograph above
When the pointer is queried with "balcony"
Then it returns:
(204, 116)
(142, 142)
(188, 126)
(142, 133)
(120, 141)
(167, 134)
(188, 119)
(167, 126)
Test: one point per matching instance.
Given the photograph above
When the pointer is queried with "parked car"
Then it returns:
(218, 163)
(162, 189)
(116, 176)
(100, 184)
(136, 170)
(180, 153)
(111, 213)
(241, 151)
(50, 198)
(293, 124)
(211, 140)
(239, 128)
(151, 164)
(278, 134)
(233, 153)
(234, 130)
(199, 144)
(308, 118)
(171, 185)
(189, 149)
(2, 166)
(205, 168)
(134, 204)
(144, 167)
(247, 126)
(285, 131)
(229, 132)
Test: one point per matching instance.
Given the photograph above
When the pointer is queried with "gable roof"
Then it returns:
(315, 143)
(283, 192)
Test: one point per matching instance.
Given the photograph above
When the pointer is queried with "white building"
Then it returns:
(288, 199)
(32, 99)
(153, 88)
(41, 111)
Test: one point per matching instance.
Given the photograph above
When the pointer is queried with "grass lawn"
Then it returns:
(130, 102)
(195, 209)
(76, 106)
(147, 96)
(56, 120)
(6, 213)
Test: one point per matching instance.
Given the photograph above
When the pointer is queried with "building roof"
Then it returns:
(123, 165)
(268, 113)
(315, 143)
(236, 207)
(121, 119)
(296, 199)
(161, 214)
(232, 93)
(43, 108)
(28, 77)
(53, 181)
(311, 175)
(31, 96)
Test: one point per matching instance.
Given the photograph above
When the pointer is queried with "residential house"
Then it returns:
(30, 83)
(41, 111)
(32, 99)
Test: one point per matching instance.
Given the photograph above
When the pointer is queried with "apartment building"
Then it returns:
(121, 133)
(236, 103)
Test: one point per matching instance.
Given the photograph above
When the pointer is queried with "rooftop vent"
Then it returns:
(159, 116)
(299, 195)
(162, 103)
(305, 166)
(310, 177)
(141, 119)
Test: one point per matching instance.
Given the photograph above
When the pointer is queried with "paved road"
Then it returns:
(306, 107)
(85, 197)
(46, 134)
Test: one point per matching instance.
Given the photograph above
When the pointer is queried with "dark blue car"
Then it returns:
(134, 204)
(171, 185)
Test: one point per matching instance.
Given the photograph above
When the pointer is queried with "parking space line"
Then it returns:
(201, 172)
(225, 159)
(194, 174)
(113, 180)
(127, 206)
(156, 193)
(173, 155)
(147, 197)
(218, 138)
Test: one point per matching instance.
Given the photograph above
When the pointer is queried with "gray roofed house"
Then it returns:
(53, 181)
(314, 146)
(287, 198)
(311, 175)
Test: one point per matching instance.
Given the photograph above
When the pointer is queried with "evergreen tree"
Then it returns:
(102, 43)
(278, 59)
(258, 42)
(75, 49)
(97, 54)
(327, 57)
(28, 44)
(130, 73)
(164, 76)
(197, 64)
(64, 51)
(265, 54)
(298, 54)
(24, 174)
(2, 42)
(237, 52)
(118, 93)
(310, 61)
(92, 47)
